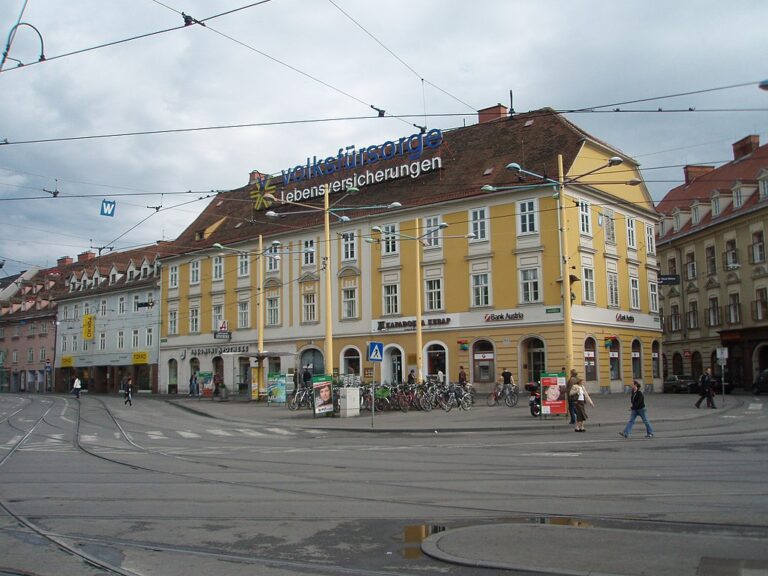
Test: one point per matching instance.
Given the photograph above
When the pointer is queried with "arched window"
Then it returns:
(677, 364)
(173, 376)
(436, 358)
(697, 365)
(637, 360)
(314, 359)
(590, 360)
(614, 355)
(351, 364)
(532, 349)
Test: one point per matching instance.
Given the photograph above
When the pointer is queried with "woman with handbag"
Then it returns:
(581, 397)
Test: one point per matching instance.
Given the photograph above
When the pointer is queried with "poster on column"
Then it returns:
(276, 388)
(205, 381)
(553, 400)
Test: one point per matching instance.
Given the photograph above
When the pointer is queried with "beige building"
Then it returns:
(711, 243)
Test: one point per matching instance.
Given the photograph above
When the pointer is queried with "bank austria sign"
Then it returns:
(354, 167)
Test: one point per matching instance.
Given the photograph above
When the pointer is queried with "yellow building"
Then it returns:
(471, 229)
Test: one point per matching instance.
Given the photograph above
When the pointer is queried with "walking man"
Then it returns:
(637, 408)
(76, 386)
(706, 389)
(574, 379)
(129, 392)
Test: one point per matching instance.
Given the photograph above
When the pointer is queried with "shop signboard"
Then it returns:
(553, 399)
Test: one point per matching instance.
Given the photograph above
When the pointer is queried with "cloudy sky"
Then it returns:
(286, 63)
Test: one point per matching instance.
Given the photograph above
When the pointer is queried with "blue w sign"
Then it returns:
(108, 208)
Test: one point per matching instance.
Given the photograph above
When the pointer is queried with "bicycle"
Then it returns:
(506, 392)
(301, 398)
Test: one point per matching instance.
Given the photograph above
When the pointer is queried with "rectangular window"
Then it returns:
(173, 318)
(309, 308)
(478, 219)
(273, 259)
(434, 298)
(731, 255)
(734, 309)
(481, 295)
(585, 218)
(173, 276)
(121, 305)
(713, 312)
(64, 344)
(309, 252)
(136, 301)
(711, 260)
(609, 224)
(431, 232)
(243, 265)
(715, 206)
(588, 284)
(529, 280)
(738, 198)
(760, 305)
(634, 293)
(757, 248)
(690, 266)
(150, 337)
(273, 311)
(672, 265)
(631, 240)
(526, 210)
(389, 238)
(349, 303)
(76, 309)
(653, 295)
(217, 268)
(43, 354)
(120, 339)
(217, 316)
(43, 328)
(613, 289)
(103, 308)
(30, 354)
(194, 272)
(75, 346)
(674, 318)
(135, 338)
(194, 320)
(650, 239)
(693, 315)
(763, 188)
(85, 345)
(348, 246)
(243, 314)
(86, 308)
(102, 341)
(391, 299)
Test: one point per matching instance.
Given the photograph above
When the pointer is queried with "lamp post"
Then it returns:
(327, 211)
(562, 231)
(418, 237)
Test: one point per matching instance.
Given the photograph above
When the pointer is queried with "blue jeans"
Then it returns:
(633, 416)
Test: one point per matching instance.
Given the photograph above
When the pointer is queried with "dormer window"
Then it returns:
(130, 275)
(112, 278)
(763, 187)
(695, 216)
(715, 206)
(677, 222)
(144, 272)
(738, 197)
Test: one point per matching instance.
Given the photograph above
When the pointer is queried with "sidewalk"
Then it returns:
(518, 546)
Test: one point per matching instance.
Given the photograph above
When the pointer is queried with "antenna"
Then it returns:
(511, 104)
(55, 191)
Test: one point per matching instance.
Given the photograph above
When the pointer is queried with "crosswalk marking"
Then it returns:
(219, 432)
(281, 431)
(755, 406)
(185, 434)
(249, 432)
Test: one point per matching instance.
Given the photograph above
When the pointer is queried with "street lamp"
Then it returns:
(418, 237)
(327, 211)
(562, 231)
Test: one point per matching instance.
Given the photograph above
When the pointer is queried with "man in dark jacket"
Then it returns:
(706, 389)
(637, 408)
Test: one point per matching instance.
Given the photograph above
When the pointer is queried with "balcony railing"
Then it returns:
(731, 259)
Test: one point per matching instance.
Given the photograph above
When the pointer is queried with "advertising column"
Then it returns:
(553, 400)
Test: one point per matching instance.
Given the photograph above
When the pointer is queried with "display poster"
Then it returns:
(276, 392)
(323, 394)
(205, 381)
(553, 399)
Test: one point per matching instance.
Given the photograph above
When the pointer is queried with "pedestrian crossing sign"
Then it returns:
(375, 351)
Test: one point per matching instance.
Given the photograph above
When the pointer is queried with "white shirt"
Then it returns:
(76, 385)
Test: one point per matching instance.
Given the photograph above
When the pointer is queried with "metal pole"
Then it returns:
(419, 344)
(328, 299)
(567, 312)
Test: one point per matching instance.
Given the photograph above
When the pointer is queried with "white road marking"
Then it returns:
(219, 432)
(755, 406)
(249, 432)
(185, 434)
(281, 431)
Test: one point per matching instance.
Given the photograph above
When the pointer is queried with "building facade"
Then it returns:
(712, 252)
(441, 228)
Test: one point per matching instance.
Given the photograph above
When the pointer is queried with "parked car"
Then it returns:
(679, 384)
(761, 383)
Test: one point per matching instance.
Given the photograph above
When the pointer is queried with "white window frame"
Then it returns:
(103, 307)
(102, 340)
(217, 268)
(272, 311)
(530, 289)
(309, 253)
(433, 289)
(527, 217)
(588, 284)
(121, 305)
(634, 293)
(432, 237)
(135, 338)
(217, 315)
(194, 272)
(136, 300)
(309, 307)
(244, 314)
(653, 295)
(348, 246)
(349, 303)
(121, 340)
(391, 299)
(173, 322)
(273, 259)
(650, 239)
(243, 265)
(194, 320)
(478, 219)
(585, 218)
(631, 236)
(389, 234)
(481, 289)
(149, 337)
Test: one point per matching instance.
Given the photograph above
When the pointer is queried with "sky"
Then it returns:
(308, 76)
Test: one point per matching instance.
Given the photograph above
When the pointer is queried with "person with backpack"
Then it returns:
(637, 408)
(706, 390)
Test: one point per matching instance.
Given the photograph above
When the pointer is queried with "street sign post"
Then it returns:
(375, 354)
(722, 359)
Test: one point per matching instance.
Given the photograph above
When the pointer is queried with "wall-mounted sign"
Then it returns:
(218, 350)
(669, 279)
(501, 316)
(624, 317)
(67, 362)
(410, 324)
(89, 326)
(140, 358)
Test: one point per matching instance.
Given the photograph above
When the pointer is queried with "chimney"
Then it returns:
(693, 172)
(64, 261)
(746, 146)
(498, 112)
(256, 176)
(85, 256)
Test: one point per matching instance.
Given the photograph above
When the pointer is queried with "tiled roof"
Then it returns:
(471, 156)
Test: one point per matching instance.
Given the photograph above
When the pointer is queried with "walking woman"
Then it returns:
(637, 408)
(581, 396)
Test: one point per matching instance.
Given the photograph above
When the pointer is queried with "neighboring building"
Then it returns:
(27, 332)
(108, 321)
(489, 302)
(712, 238)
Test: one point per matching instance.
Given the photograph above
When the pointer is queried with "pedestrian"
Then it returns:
(306, 377)
(706, 389)
(128, 393)
(574, 379)
(412, 377)
(194, 385)
(440, 376)
(506, 377)
(462, 376)
(76, 386)
(581, 396)
(637, 408)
